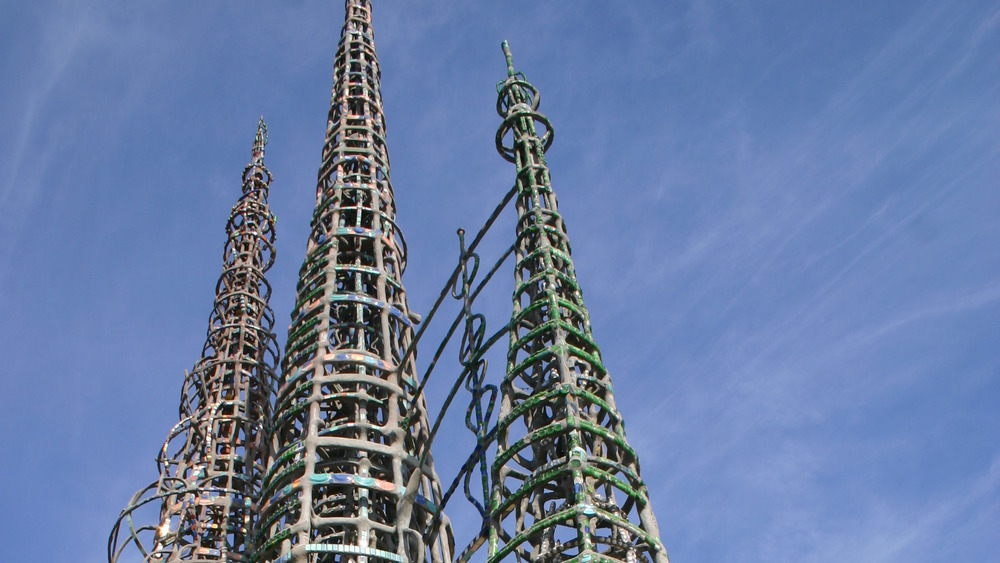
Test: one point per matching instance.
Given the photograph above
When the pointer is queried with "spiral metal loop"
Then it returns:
(470, 355)
(517, 104)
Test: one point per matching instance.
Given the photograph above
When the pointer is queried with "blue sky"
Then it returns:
(784, 220)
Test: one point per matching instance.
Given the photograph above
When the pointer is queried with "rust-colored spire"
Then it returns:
(212, 461)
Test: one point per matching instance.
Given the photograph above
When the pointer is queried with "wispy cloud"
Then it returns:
(57, 44)
(788, 293)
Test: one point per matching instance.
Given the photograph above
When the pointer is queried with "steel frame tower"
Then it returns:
(343, 481)
(211, 463)
(330, 461)
(565, 482)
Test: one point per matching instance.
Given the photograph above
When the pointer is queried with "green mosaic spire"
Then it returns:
(566, 484)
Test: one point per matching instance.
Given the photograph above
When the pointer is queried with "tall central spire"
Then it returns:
(343, 482)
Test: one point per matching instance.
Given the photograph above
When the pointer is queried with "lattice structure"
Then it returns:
(343, 483)
(212, 461)
(566, 484)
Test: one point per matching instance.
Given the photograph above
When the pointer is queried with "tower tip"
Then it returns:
(260, 139)
(509, 57)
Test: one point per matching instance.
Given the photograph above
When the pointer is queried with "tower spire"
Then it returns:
(566, 483)
(259, 141)
(343, 482)
(212, 460)
(510, 58)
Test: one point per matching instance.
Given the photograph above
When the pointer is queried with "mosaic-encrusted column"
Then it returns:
(342, 482)
(212, 462)
(566, 483)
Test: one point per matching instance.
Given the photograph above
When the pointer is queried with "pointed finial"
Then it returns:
(260, 139)
(509, 57)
